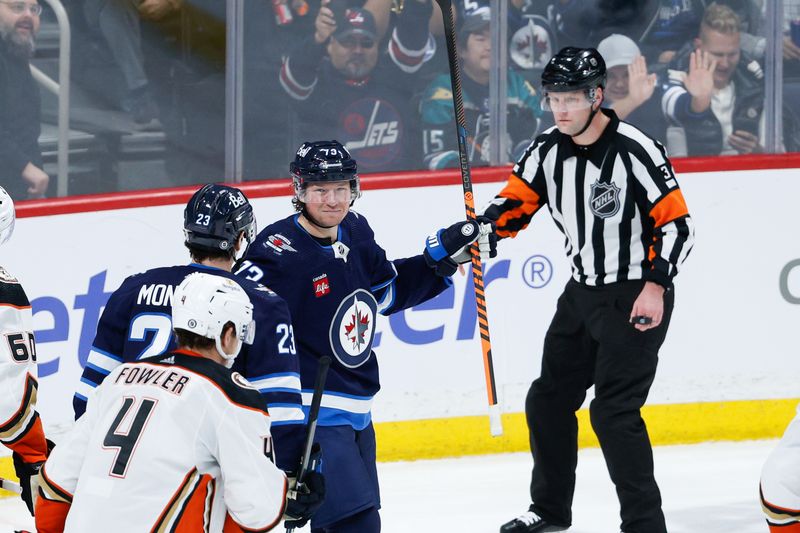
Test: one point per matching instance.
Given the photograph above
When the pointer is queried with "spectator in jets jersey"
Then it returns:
(22, 171)
(344, 86)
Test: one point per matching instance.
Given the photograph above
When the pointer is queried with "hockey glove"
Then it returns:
(306, 497)
(28, 474)
(450, 247)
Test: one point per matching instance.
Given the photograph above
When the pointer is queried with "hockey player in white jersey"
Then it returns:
(780, 482)
(176, 442)
(20, 425)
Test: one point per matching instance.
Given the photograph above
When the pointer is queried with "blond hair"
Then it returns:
(721, 19)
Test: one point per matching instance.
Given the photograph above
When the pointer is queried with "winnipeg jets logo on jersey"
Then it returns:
(279, 243)
(353, 328)
(604, 200)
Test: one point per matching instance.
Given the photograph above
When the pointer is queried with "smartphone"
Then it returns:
(339, 8)
(642, 320)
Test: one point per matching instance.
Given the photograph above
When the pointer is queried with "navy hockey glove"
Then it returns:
(450, 247)
(306, 497)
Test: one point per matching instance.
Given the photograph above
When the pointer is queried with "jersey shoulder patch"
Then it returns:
(241, 381)
(11, 293)
(6, 277)
(237, 389)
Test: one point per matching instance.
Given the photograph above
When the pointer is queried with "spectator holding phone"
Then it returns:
(715, 92)
(344, 87)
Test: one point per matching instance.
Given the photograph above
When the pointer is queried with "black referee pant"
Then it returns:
(591, 342)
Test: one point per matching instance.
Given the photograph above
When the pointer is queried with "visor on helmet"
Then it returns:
(571, 101)
(327, 192)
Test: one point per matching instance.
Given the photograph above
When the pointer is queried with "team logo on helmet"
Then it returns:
(353, 329)
(279, 243)
(604, 199)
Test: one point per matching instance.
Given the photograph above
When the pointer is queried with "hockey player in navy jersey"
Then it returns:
(136, 323)
(325, 262)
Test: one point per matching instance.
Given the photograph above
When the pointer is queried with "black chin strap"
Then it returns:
(588, 121)
(592, 114)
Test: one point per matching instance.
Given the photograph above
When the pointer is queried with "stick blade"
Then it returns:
(495, 421)
(10, 486)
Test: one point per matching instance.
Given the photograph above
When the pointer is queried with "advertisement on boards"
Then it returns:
(734, 333)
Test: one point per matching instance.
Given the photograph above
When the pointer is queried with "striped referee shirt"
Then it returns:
(616, 201)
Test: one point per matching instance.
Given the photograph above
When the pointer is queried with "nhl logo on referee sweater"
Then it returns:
(604, 199)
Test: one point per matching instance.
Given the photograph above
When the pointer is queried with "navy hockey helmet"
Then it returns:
(215, 217)
(574, 69)
(324, 161)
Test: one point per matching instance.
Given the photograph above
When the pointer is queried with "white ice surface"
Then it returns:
(706, 488)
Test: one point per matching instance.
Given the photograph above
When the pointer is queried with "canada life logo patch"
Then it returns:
(604, 199)
(321, 285)
(353, 328)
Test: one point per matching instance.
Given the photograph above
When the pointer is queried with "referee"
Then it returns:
(612, 192)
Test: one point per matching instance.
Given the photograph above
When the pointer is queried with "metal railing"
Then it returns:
(61, 90)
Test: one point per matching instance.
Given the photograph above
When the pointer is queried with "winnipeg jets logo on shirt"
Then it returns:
(353, 328)
(279, 243)
(604, 199)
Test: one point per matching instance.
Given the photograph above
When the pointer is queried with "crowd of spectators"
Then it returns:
(374, 75)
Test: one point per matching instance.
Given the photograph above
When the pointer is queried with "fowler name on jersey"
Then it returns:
(170, 381)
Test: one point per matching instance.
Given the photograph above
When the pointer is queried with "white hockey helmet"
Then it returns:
(7, 216)
(204, 303)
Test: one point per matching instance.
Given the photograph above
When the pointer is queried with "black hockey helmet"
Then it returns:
(215, 217)
(324, 161)
(574, 69)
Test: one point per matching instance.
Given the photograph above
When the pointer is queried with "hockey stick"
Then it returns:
(495, 423)
(7, 484)
(313, 414)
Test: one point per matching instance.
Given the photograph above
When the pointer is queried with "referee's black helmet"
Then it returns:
(574, 69)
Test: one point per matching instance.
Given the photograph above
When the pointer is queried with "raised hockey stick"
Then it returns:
(7, 484)
(495, 423)
(313, 414)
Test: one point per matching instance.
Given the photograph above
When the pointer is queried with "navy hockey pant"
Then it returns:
(351, 481)
(590, 342)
